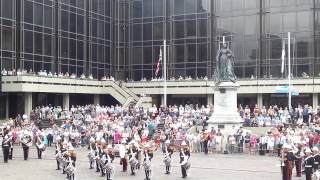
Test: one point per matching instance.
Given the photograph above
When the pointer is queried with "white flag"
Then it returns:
(283, 55)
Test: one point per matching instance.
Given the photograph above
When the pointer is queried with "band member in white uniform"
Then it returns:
(167, 157)
(26, 142)
(184, 159)
(148, 155)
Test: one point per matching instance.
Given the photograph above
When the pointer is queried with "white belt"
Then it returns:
(308, 166)
(316, 162)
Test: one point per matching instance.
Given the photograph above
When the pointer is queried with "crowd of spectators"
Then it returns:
(175, 123)
(274, 115)
(44, 73)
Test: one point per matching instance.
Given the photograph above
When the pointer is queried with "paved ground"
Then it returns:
(211, 167)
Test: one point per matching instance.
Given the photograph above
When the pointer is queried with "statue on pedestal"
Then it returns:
(224, 66)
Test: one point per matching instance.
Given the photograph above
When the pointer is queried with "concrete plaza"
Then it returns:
(203, 167)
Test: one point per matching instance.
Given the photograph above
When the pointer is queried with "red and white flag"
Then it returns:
(159, 63)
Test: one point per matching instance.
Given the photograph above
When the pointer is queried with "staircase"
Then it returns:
(128, 96)
(46, 123)
(144, 102)
(160, 127)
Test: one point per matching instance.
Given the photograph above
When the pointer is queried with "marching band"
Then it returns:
(102, 154)
(305, 160)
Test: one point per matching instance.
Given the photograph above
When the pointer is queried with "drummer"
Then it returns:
(72, 159)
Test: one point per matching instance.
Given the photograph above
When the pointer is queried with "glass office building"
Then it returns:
(253, 29)
(123, 37)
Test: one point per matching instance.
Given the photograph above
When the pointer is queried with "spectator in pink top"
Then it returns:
(253, 144)
(117, 137)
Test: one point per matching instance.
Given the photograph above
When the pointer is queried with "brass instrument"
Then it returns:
(25, 141)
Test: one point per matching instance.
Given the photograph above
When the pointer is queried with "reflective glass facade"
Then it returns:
(123, 37)
(57, 35)
(253, 29)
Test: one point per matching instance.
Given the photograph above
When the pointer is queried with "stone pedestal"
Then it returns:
(225, 114)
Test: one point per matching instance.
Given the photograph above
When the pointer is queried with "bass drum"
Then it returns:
(70, 169)
(110, 169)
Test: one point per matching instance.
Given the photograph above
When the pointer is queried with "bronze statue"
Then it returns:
(224, 66)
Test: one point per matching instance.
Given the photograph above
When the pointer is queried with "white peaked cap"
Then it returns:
(147, 145)
(92, 139)
(308, 150)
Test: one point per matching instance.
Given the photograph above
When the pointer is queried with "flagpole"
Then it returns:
(164, 73)
(289, 72)
(283, 56)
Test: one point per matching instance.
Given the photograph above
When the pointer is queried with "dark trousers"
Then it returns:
(184, 172)
(39, 153)
(5, 150)
(97, 167)
(286, 173)
(124, 164)
(91, 164)
(240, 150)
(167, 169)
(25, 152)
(11, 153)
(148, 174)
(308, 176)
(102, 171)
(298, 167)
(315, 166)
(58, 165)
(205, 146)
(132, 170)
(70, 177)
(306, 119)
(108, 176)
(279, 149)
(50, 139)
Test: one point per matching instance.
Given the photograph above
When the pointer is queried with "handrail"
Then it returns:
(121, 95)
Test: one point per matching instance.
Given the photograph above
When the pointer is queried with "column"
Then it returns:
(27, 102)
(7, 106)
(96, 99)
(209, 99)
(315, 98)
(66, 101)
(162, 99)
(260, 100)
